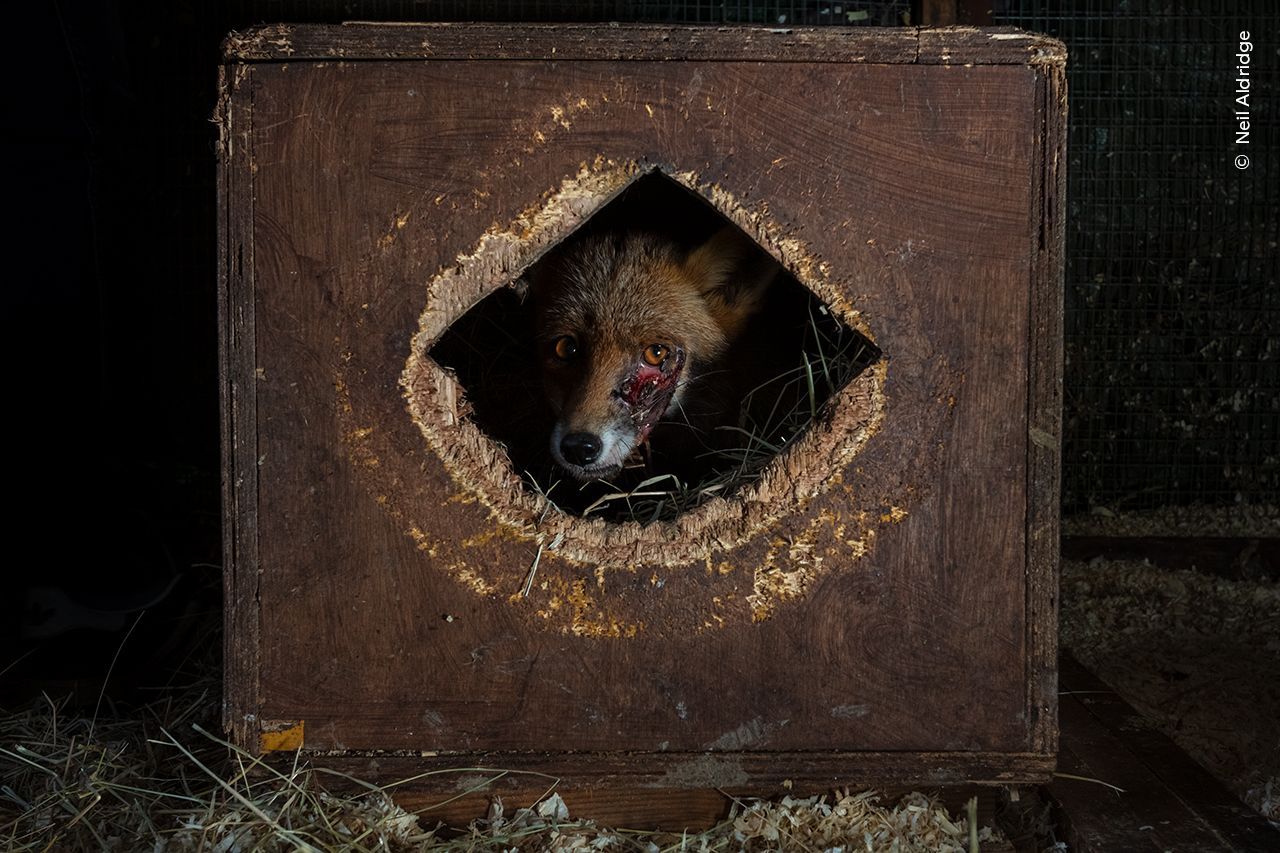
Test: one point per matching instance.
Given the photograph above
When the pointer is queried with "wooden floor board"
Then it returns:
(1166, 800)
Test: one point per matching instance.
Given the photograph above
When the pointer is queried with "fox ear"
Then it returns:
(541, 282)
(732, 275)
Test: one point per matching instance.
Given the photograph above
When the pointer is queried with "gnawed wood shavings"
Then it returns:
(544, 827)
(1197, 655)
(850, 822)
(844, 822)
(1243, 521)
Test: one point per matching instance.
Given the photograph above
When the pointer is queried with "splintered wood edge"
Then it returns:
(1044, 410)
(479, 467)
(239, 418)
(359, 40)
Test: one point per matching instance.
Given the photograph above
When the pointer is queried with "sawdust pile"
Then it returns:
(844, 822)
(852, 822)
(1197, 655)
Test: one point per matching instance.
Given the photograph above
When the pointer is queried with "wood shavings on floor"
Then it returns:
(842, 823)
(1237, 521)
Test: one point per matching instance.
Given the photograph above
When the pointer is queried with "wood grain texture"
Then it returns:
(1044, 408)
(978, 45)
(1167, 801)
(381, 609)
(767, 772)
(963, 582)
(241, 659)
(564, 42)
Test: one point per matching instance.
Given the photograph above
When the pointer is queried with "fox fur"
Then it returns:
(628, 327)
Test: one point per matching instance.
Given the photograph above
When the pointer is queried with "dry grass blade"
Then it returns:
(533, 571)
(159, 779)
(1088, 779)
(284, 833)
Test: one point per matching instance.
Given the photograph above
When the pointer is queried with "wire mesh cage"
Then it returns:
(1172, 311)
(772, 12)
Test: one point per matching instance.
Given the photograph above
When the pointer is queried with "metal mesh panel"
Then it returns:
(797, 12)
(1172, 311)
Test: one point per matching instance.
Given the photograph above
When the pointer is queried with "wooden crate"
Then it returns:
(880, 609)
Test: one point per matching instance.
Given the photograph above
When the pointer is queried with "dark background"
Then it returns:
(1173, 315)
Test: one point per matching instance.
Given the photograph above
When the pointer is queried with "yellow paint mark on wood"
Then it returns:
(283, 740)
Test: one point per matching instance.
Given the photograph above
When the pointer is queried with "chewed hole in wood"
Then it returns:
(654, 360)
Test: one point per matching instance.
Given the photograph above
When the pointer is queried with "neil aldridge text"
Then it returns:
(1244, 55)
(1244, 84)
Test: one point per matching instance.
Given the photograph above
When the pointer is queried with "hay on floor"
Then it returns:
(160, 779)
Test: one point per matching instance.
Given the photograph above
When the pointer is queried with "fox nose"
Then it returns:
(580, 448)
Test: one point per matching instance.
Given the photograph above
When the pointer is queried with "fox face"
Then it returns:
(626, 323)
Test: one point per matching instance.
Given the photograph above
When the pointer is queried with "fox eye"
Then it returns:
(566, 347)
(655, 354)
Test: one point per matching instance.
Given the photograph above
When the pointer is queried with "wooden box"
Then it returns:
(878, 609)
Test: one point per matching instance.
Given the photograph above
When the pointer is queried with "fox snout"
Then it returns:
(607, 402)
(624, 323)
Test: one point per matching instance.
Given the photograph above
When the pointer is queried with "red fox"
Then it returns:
(628, 326)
